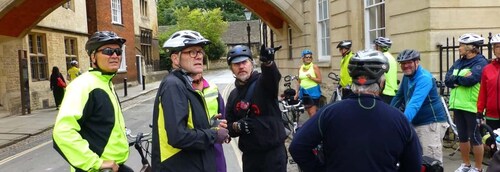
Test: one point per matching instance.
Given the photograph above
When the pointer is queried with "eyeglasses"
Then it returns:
(110, 51)
(194, 53)
(308, 57)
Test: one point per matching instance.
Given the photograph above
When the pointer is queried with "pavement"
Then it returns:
(19, 127)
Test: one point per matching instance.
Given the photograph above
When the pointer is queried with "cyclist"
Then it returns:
(182, 137)
(89, 131)
(381, 138)
(216, 111)
(463, 78)
(423, 107)
(308, 89)
(74, 71)
(345, 79)
(391, 77)
(487, 101)
(252, 111)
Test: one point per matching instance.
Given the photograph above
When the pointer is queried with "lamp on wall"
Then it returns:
(248, 15)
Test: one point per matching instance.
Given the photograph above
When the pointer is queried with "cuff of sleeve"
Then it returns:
(98, 164)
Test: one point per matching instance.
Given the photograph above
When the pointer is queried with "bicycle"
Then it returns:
(337, 94)
(292, 109)
(141, 143)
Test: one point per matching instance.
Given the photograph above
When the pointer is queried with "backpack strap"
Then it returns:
(251, 89)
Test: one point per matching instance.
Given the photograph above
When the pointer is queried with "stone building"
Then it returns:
(37, 35)
(320, 25)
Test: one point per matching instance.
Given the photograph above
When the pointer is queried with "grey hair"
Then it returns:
(368, 89)
(471, 48)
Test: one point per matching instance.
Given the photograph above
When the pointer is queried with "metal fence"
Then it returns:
(448, 54)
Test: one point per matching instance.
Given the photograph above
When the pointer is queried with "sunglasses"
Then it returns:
(308, 57)
(110, 51)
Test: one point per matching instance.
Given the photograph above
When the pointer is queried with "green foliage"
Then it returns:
(208, 22)
(232, 11)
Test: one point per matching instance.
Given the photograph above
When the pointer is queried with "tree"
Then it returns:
(232, 11)
(208, 22)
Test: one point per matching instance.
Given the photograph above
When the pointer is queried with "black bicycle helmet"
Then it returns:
(383, 42)
(101, 38)
(238, 54)
(184, 38)
(345, 44)
(407, 55)
(367, 66)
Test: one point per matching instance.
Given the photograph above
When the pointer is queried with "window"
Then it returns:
(375, 20)
(69, 5)
(323, 31)
(116, 11)
(38, 56)
(70, 51)
(123, 65)
(144, 8)
(146, 40)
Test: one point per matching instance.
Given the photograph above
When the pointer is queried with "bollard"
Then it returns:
(143, 82)
(125, 87)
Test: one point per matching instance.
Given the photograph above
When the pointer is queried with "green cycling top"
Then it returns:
(391, 76)
(345, 78)
(90, 127)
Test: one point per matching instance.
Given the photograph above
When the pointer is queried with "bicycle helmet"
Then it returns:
(305, 52)
(495, 39)
(407, 55)
(471, 39)
(184, 38)
(383, 42)
(74, 62)
(101, 38)
(238, 54)
(367, 66)
(345, 44)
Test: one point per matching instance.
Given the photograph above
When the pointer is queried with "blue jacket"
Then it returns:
(360, 133)
(418, 93)
(465, 89)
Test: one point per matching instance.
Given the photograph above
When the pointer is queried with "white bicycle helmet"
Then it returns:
(383, 42)
(495, 39)
(369, 63)
(73, 62)
(471, 39)
(184, 38)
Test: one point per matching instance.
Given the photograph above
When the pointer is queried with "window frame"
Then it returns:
(323, 30)
(116, 5)
(73, 55)
(379, 22)
(123, 64)
(37, 50)
(143, 8)
(146, 39)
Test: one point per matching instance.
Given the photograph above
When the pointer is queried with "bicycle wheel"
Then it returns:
(288, 123)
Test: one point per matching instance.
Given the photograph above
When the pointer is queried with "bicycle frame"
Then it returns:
(138, 142)
(291, 108)
(336, 95)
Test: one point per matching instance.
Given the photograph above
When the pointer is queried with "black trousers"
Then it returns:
(274, 160)
(387, 99)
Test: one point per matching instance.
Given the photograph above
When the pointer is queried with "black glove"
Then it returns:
(480, 117)
(267, 54)
(222, 135)
(244, 126)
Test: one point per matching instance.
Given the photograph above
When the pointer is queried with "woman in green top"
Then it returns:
(309, 90)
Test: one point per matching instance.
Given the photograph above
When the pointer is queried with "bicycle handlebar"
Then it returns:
(333, 76)
(289, 78)
(299, 105)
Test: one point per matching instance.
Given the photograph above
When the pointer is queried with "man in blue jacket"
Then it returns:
(361, 132)
(423, 106)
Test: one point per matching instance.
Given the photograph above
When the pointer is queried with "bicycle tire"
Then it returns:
(333, 99)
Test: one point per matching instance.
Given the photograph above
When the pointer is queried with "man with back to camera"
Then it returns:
(423, 106)
(361, 132)
(252, 111)
(89, 131)
(183, 137)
